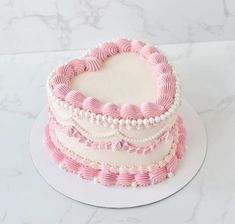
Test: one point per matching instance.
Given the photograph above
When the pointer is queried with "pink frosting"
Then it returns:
(71, 165)
(60, 79)
(151, 109)
(98, 53)
(110, 48)
(181, 140)
(114, 145)
(66, 70)
(112, 110)
(48, 141)
(125, 179)
(75, 98)
(162, 68)
(167, 78)
(87, 172)
(78, 65)
(61, 90)
(147, 50)
(156, 58)
(70, 131)
(165, 101)
(172, 163)
(93, 105)
(142, 179)
(123, 45)
(136, 46)
(107, 179)
(56, 154)
(167, 89)
(60, 82)
(92, 63)
(158, 174)
(130, 111)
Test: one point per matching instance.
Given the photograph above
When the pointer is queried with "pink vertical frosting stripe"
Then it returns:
(93, 105)
(71, 165)
(110, 48)
(78, 65)
(130, 111)
(142, 179)
(124, 45)
(98, 53)
(110, 109)
(147, 50)
(158, 174)
(136, 46)
(66, 70)
(61, 90)
(107, 179)
(75, 98)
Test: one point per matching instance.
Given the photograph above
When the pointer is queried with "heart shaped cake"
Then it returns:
(114, 115)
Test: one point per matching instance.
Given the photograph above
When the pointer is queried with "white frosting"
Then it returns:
(66, 118)
(118, 158)
(123, 78)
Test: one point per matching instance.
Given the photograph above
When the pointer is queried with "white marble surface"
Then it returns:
(30, 26)
(207, 73)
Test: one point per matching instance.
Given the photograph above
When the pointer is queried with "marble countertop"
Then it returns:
(45, 25)
(207, 73)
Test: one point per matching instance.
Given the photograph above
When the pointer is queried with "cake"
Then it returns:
(113, 115)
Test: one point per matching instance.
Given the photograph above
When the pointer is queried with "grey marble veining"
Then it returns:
(31, 26)
(207, 73)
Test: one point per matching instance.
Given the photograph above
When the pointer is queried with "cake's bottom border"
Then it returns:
(108, 178)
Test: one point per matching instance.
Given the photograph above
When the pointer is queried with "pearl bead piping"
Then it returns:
(116, 123)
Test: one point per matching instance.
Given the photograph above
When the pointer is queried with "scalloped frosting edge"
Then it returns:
(128, 115)
(108, 175)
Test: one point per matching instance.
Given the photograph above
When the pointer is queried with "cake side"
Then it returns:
(112, 175)
(116, 142)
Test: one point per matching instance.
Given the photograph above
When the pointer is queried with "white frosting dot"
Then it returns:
(151, 120)
(116, 121)
(139, 121)
(93, 116)
(157, 119)
(98, 117)
(128, 122)
(110, 119)
(170, 175)
(146, 121)
(87, 114)
(134, 122)
(121, 122)
(163, 117)
(81, 112)
(134, 184)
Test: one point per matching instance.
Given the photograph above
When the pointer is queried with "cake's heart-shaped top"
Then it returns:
(135, 80)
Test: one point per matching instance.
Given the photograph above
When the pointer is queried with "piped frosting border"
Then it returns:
(149, 113)
(123, 177)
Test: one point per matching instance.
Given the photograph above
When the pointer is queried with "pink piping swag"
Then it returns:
(60, 83)
(115, 145)
(107, 178)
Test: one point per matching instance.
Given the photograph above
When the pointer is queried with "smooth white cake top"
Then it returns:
(123, 78)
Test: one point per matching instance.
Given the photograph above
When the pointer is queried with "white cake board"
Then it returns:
(90, 193)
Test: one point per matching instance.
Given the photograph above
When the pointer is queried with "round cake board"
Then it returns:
(88, 192)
